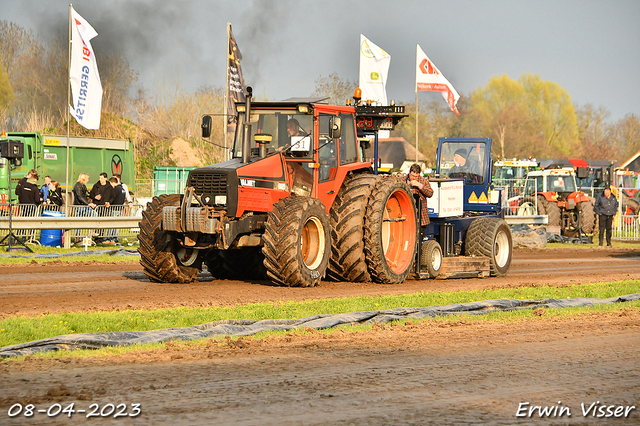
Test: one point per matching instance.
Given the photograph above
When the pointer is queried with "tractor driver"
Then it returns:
(293, 128)
(464, 167)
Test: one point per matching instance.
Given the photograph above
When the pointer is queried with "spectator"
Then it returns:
(127, 195)
(44, 190)
(29, 193)
(606, 207)
(102, 196)
(119, 199)
(22, 181)
(55, 194)
(81, 199)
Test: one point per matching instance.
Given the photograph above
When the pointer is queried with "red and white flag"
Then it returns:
(429, 77)
(83, 74)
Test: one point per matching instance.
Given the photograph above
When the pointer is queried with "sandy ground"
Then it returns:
(426, 373)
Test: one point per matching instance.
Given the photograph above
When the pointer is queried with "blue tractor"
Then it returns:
(467, 234)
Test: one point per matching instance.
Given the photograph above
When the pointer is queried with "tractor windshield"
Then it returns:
(463, 160)
(290, 131)
(557, 183)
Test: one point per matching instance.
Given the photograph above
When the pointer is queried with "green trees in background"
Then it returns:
(528, 116)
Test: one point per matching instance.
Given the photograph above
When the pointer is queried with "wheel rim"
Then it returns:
(398, 231)
(312, 243)
(501, 249)
(187, 256)
(526, 209)
(436, 260)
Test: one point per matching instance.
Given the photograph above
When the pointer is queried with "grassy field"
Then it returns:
(20, 329)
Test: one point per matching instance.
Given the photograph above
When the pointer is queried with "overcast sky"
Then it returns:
(591, 48)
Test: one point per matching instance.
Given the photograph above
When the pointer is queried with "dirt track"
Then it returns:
(51, 288)
(426, 373)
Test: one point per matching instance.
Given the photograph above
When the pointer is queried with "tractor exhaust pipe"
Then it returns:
(246, 141)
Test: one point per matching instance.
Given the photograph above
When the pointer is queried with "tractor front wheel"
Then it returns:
(431, 258)
(161, 256)
(297, 242)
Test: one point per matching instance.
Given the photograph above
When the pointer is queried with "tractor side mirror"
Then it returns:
(206, 126)
(335, 127)
(582, 172)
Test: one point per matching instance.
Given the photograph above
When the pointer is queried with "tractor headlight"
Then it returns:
(220, 200)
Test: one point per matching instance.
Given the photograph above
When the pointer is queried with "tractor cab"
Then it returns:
(469, 160)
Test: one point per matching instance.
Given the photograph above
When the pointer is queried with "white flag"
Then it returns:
(83, 74)
(374, 67)
(429, 77)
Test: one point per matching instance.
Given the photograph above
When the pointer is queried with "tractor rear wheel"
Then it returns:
(297, 242)
(491, 237)
(587, 217)
(541, 205)
(390, 231)
(553, 212)
(347, 229)
(162, 258)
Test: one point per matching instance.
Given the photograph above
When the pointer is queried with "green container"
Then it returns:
(170, 180)
(48, 155)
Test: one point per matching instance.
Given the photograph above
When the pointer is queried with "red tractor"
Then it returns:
(553, 192)
(295, 202)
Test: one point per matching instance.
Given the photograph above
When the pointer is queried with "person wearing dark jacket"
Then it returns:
(80, 192)
(102, 192)
(606, 207)
(55, 194)
(29, 193)
(119, 199)
(22, 181)
(81, 199)
(102, 195)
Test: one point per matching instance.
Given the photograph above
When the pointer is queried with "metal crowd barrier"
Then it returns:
(102, 223)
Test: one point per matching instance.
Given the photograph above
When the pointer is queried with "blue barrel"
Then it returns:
(51, 237)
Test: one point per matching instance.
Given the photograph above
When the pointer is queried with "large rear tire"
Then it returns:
(553, 212)
(491, 237)
(162, 258)
(347, 261)
(541, 205)
(297, 242)
(390, 231)
(587, 217)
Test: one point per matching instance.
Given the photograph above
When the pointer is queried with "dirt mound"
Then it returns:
(184, 154)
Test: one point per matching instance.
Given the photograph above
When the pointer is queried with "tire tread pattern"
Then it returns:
(156, 245)
(347, 261)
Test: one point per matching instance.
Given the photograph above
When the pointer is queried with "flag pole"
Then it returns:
(226, 93)
(416, 71)
(67, 241)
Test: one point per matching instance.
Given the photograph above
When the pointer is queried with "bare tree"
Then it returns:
(338, 90)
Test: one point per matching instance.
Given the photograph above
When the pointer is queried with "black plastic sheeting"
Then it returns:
(117, 252)
(235, 327)
(526, 236)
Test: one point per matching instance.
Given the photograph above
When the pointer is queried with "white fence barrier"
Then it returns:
(45, 224)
